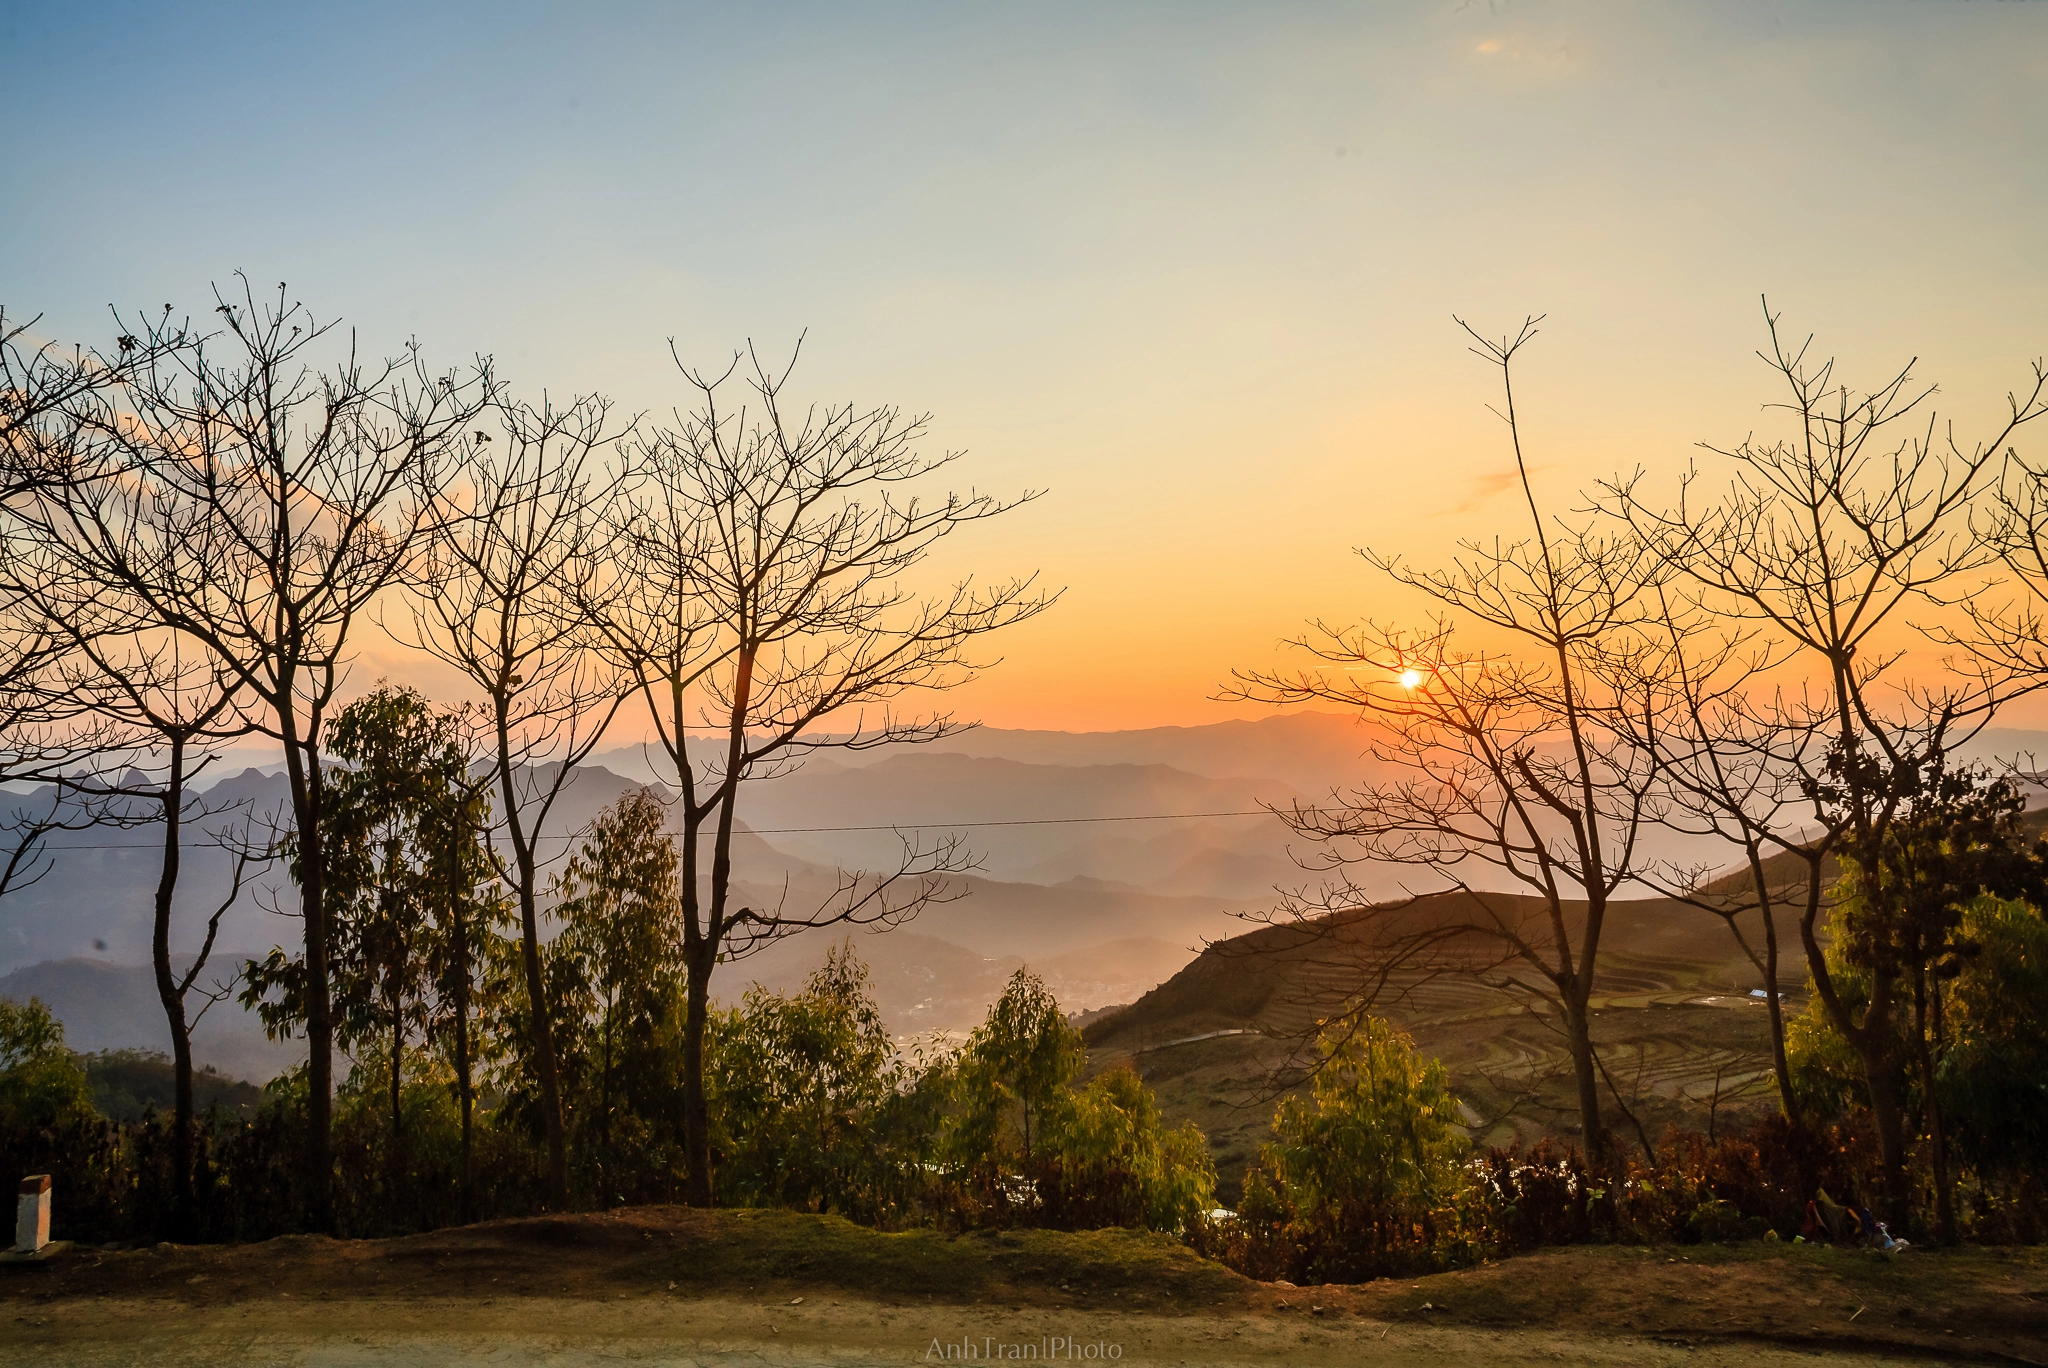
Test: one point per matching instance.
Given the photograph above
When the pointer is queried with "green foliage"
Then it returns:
(505, 1029)
(1019, 1144)
(411, 896)
(127, 1083)
(1014, 1070)
(817, 1109)
(41, 1082)
(814, 1108)
(1926, 840)
(1993, 1077)
(1827, 1074)
(1367, 1177)
(409, 880)
(393, 1187)
(1108, 1160)
(1382, 1129)
(1956, 833)
(617, 975)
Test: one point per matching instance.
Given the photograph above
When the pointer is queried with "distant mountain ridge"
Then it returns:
(1104, 909)
(1308, 751)
(1107, 909)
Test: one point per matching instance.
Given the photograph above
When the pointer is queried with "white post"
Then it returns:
(32, 1214)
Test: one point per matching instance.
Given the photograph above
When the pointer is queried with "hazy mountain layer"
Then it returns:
(114, 1006)
(1104, 909)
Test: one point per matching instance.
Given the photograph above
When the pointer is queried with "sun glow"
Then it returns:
(1411, 679)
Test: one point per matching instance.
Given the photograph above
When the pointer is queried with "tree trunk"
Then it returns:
(1578, 996)
(606, 1168)
(1579, 1038)
(184, 1207)
(302, 760)
(1937, 1142)
(465, 1197)
(1873, 1044)
(1872, 1041)
(696, 1110)
(701, 955)
(1781, 1063)
(1890, 1116)
(540, 1023)
(543, 1039)
(397, 1162)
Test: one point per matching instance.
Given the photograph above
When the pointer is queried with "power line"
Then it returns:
(808, 831)
(1022, 821)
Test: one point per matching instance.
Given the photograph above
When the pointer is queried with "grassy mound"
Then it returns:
(1979, 1304)
(643, 1250)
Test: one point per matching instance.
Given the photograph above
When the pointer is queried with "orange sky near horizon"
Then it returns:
(1190, 268)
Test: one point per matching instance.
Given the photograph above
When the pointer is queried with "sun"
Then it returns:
(1411, 679)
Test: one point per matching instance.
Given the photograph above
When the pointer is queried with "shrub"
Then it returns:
(1019, 1144)
(1365, 1178)
(1993, 1077)
(1108, 1160)
(41, 1082)
(1534, 1199)
(807, 1096)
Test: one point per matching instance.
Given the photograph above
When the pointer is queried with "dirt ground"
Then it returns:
(668, 1286)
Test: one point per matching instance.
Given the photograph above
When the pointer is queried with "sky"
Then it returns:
(1191, 269)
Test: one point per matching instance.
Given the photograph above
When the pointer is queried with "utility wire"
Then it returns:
(806, 831)
(1021, 821)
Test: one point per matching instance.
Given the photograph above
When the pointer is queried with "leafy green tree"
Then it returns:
(1108, 1160)
(810, 1098)
(619, 950)
(1023, 1143)
(1991, 1052)
(1994, 1072)
(1953, 835)
(1371, 1166)
(407, 877)
(1013, 1073)
(41, 1082)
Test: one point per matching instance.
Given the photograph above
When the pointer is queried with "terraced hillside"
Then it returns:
(1681, 1038)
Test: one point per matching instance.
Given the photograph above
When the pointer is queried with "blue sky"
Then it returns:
(1190, 267)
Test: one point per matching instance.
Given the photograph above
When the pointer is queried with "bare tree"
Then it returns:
(1825, 538)
(46, 740)
(40, 382)
(2008, 633)
(1732, 755)
(757, 600)
(178, 705)
(47, 736)
(135, 694)
(500, 598)
(255, 507)
(1512, 772)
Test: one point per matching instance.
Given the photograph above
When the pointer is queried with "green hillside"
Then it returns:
(1227, 1035)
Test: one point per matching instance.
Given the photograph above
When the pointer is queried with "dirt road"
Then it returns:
(670, 1286)
(844, 1333)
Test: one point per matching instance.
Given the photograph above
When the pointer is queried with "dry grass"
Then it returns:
(1980, 1304)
